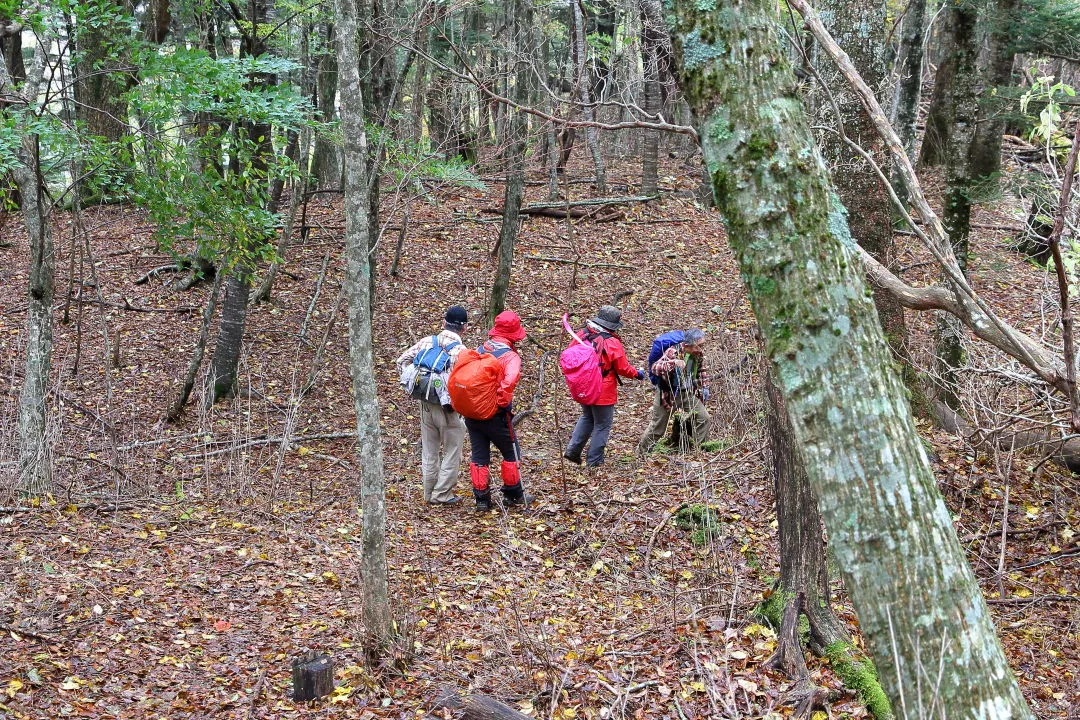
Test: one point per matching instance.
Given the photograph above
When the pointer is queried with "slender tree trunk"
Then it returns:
(908, 93)
(651, 14)
(920, 609)
(230, 339)
(376, 607)
(99, 81)
(581, 80)
(515, 180)
(35, 462)
(996, 74)
(326, 161)
(176, 407)
(962, 100)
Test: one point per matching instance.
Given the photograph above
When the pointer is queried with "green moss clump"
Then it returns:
(771, 610)
(701, 521)
(858, 673)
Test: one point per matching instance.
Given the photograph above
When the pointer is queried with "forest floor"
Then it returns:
(177, 569)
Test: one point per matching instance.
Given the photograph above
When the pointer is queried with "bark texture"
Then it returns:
(519, 19)
(920, 610)
(859, 28)
(101, 75)
(996, 73)
(376, 608)
(958, 38)
(35, 465)
(962, 115)
(581, 80)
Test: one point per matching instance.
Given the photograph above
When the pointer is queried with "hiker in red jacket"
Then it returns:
(499, 430)
(596, 419)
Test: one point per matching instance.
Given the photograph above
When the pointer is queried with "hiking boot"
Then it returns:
(483, 500)
(452, 501)
(523, 501)
(574, 458)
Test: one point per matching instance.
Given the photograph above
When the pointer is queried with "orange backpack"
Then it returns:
(474, 382)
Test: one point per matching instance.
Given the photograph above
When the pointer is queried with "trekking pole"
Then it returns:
(562, 461)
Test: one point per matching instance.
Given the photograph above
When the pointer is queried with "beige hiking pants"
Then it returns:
(442, 433)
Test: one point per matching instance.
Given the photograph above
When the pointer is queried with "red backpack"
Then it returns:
(474, 383)
(580, 365)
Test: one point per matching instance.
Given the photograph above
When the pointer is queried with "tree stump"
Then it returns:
(313, 677)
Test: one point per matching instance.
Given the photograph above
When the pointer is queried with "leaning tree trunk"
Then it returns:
(859, 29)
(996, 74)
(515, 180)
(908, 91)
(803, 567)
(920, 609)
(959, 180)
(581, 80)
(376, 607)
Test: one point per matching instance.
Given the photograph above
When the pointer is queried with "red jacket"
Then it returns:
(613, 363)
(510, 362)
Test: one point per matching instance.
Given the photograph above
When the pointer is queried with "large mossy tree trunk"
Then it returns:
(803, 565)
(920, 609)
(859, 28)
(376, 608)
(518, 20)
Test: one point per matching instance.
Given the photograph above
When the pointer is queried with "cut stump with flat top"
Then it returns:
(313, 677)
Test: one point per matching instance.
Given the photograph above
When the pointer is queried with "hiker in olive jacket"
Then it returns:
(596, 419)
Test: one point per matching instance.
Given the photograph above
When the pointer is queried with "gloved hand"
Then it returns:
(641, 374)
(448, 407)
(705, 394)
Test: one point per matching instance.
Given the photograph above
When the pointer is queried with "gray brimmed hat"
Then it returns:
(609, 318)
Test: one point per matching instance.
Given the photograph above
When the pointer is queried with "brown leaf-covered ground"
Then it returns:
(177, 569)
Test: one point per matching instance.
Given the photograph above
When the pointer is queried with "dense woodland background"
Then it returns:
(224, 221)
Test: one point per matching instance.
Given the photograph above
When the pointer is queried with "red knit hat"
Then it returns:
(507, 326)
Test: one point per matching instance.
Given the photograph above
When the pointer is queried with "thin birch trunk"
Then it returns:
(920, 610)
(376, 609)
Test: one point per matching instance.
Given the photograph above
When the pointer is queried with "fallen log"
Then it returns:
(475, 707)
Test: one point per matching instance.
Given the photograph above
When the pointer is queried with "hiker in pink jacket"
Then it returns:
(596, 419)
